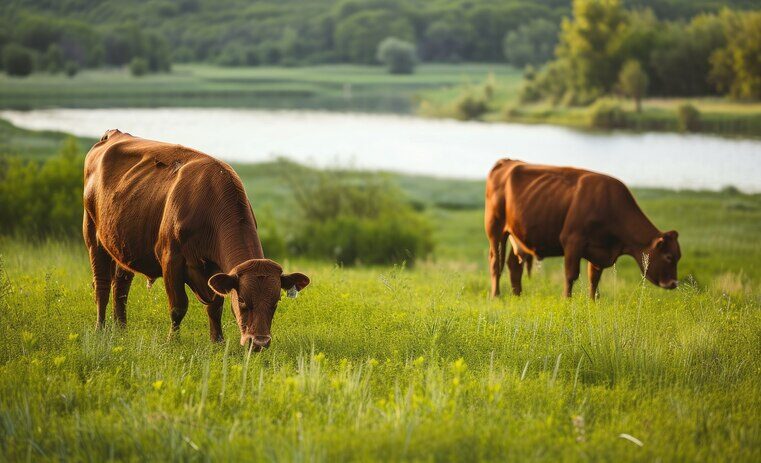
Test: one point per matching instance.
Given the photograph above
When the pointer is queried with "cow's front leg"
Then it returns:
(174, 281)
(516, 272)
(214, 311)
(594, 273)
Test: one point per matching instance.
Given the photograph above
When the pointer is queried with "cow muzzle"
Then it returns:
(257, 342)
(671, 284)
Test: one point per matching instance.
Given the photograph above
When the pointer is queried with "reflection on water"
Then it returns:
(408, 144)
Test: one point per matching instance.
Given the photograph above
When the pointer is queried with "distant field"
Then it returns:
(337, 87)
(717, 115)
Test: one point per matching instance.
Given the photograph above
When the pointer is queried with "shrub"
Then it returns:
(399, 56)
(138, 66)
(42, 199)
(470, 106)
(357, 220)
(18, 60)
(71, 68)
(606, 114)
(688, 118)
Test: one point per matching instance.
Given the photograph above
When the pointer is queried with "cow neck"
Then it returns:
(237, 242)
(640, 234)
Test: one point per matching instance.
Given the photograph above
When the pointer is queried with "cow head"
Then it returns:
(254, 288)
(662, 256)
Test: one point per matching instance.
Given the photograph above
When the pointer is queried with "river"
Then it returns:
(409, 144)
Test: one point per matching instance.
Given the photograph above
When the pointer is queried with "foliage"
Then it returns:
(688, 118)
(470, 105)
(352, 223)
(42, 199)
(633, 82)
(17, 60)
(357, 37)
(737, 67)
(399, 56)
(71, 68)
(138, 66)
(606, 114)
(532, 43)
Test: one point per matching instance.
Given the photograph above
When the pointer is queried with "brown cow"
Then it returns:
(548, 211)
(169, 211)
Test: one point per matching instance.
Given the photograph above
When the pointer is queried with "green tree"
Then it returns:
(53, 58)
(589, 43)
(533, 43)
(399, 56)
(357, 36)
(633, 82)
(736, 68)
(138, 66)
(18, 60)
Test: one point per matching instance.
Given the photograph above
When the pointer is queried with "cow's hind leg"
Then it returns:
(594, 273)
(528, 259)
(495, 263)
(516, 272)
(173, 266)
(120, 284)
(572, 257)
(102, 269)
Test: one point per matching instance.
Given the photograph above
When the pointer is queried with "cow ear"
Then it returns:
(673, 234)
(660, 242)
(223, 283)
(297, 280)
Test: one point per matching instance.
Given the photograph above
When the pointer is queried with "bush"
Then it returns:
(688, 118)
(357, 220)
(470, 106)
(138, 67)
(606, 114)
(71, 68)
(18, 60)
(42, 199)
(399, 56)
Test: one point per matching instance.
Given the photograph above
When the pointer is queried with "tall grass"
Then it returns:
(379, 364)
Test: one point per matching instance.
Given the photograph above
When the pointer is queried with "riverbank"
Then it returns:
(329, 87)
(496, 99)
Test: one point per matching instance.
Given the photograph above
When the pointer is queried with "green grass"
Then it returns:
(340, 87)
(397, 364)
(717, 115)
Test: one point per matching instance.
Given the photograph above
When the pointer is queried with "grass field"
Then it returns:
(386, 363)
(338, 87)
(717, 115)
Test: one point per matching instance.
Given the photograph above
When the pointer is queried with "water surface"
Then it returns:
(422, 146)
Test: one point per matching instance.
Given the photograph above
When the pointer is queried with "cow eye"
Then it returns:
(669, 258)
(242, 304)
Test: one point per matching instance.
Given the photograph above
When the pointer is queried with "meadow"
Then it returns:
(397, 363)
(334, 87)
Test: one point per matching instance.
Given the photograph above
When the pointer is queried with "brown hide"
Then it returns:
(547, 211)
(169, 211)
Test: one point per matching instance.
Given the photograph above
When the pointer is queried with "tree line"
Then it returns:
(149, 35)
(604, 49)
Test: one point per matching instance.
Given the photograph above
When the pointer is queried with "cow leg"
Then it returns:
(120, 284)
(102, 268)
(572, 264)
(214, 311)
(529, 260)
(494, 265)
(594, 273)
(516, 272)
(174, 281)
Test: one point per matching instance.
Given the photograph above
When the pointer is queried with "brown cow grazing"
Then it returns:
(548, 211)
(169, 211)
